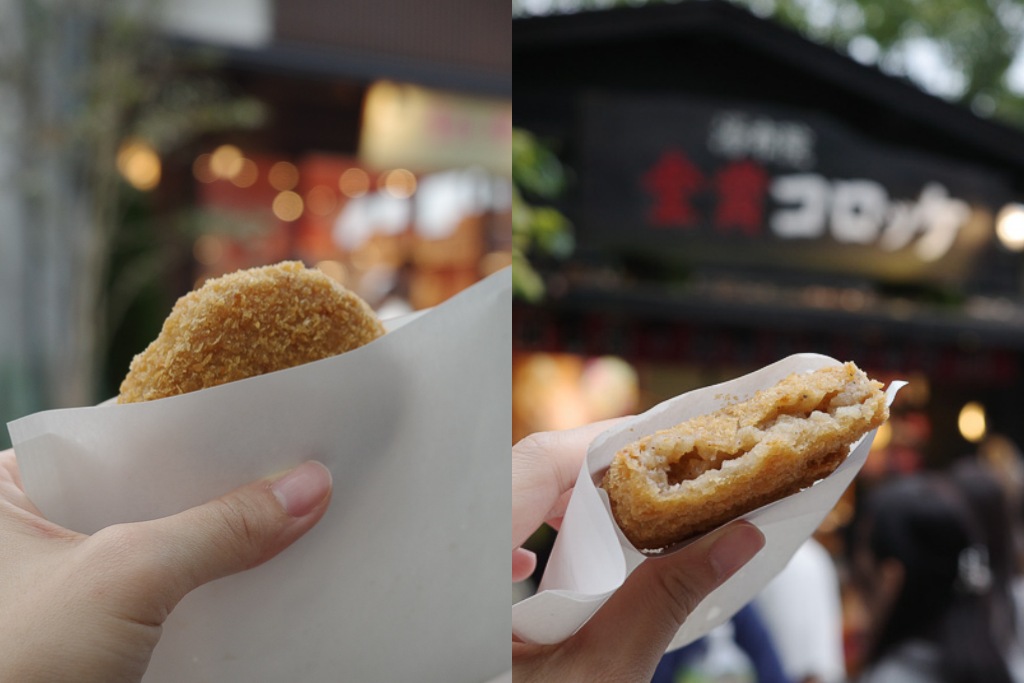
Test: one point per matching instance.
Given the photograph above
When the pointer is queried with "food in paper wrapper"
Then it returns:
(249, 323)
(686, 480)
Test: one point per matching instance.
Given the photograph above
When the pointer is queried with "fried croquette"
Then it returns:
(689, 479)
(249, 323)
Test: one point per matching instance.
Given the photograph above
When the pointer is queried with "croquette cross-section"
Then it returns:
(688, 479)
(249, 323)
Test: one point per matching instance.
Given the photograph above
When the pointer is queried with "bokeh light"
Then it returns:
(226, 162)
(972, 422)
(399, 183)
(288, 206)
(283, 176)
(201, 169)
(139, 164)
(354, 182)
(1010, 227)
(321, 200)
(247, 175)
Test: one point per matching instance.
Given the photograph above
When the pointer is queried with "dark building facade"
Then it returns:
(740, 193)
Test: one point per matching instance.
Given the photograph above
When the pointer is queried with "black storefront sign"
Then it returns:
(752, 184)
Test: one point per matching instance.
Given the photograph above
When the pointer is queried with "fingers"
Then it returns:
(523, 563)
(641, 618)
(544, 466)
(11, 489)
(230, 534)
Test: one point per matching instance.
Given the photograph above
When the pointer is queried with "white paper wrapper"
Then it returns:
(405, 578)
(591, 558)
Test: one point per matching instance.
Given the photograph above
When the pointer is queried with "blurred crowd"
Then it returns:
(928, 589)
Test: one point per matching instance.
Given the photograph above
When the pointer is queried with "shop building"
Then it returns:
(382, 155)
(740, 193)
(389, 127)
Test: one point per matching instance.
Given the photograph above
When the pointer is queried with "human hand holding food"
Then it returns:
(625, 639)
(90, 609)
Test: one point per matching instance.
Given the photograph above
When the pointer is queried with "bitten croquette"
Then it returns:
(249, 323)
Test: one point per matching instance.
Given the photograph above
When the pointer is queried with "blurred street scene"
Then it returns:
(704, 188)
(148, 145)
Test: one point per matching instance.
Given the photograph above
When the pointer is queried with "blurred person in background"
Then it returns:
(925, 581)
(1003, 459)
(987, 501)
(802, 610)
(739, 651)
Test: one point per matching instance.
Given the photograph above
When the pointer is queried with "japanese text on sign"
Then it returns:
(745, 200)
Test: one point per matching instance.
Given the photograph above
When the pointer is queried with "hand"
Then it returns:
(624, 641)
(90, 608)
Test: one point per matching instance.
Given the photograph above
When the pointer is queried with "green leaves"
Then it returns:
(537, 174)
(975, 40)
(535, 168)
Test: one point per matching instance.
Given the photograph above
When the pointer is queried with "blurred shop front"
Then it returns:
(741, 194)
(383, 156)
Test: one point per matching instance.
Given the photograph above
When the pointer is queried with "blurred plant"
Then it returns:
(77, 79)
(960, 50)
(537, 175)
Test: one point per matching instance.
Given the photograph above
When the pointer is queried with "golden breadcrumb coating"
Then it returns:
(249, 323)
(687, 480)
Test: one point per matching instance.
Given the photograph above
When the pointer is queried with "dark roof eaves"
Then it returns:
(996, 139)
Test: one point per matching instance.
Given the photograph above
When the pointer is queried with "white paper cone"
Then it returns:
(591, 558)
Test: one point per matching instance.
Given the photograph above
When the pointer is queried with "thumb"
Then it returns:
(238, 531)
(641, 618)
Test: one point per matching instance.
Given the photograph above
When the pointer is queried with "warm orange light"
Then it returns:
(283, 176)
(1010, 227)
(399, 183)
(972, 423)
(201, 169)
(139, 164)
(247, 175)
(882, 437)
(321, 200)
(226, 162)
(354, 182)
(288, 206)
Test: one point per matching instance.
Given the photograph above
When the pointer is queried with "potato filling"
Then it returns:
(693, 463)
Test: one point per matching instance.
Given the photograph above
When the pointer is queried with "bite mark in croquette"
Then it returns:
(686, 480)
(249, 323)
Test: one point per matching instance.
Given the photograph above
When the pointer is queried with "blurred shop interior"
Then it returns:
(739, 194)
(380, 156)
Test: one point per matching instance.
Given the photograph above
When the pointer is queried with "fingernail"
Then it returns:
(735, 548)
(303, 488)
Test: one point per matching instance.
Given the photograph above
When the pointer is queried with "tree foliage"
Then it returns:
(960, 50)
(78, 78)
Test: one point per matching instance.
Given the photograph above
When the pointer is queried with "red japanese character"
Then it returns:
(672, 182)
(741, 188)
